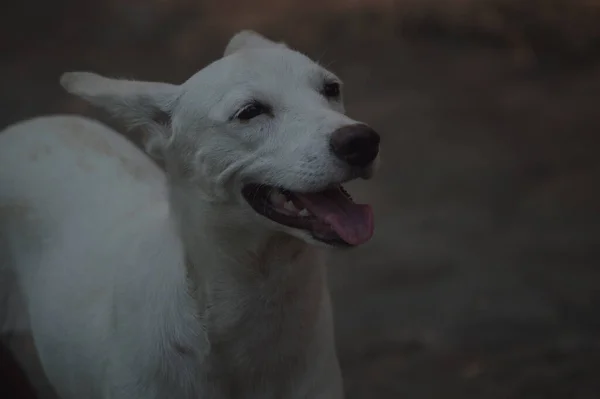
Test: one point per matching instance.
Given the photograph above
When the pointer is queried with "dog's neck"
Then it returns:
(262, 297)
(229, 260)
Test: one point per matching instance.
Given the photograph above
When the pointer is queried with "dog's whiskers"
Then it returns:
(257, 190)
(267, 202)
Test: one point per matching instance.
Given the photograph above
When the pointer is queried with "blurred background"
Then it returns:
(483, 279)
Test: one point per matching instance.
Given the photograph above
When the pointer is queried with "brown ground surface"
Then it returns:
(483, 280)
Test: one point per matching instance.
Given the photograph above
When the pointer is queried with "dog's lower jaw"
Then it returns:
(264, 303)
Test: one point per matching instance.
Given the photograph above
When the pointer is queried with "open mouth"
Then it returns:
(330, 216)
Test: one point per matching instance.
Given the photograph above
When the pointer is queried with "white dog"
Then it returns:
(199, 282)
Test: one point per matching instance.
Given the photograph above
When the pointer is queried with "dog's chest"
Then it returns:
(265, 335)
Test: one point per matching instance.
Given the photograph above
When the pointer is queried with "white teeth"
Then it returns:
(277, 199)
(290, 207)
(280, 201)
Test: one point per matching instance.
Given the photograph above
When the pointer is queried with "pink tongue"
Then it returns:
(352, 222)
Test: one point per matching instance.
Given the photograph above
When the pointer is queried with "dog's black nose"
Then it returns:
(357, 145)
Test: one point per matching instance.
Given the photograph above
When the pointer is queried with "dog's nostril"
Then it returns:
(357, 145)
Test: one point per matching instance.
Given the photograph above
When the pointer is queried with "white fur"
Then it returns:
(140, 284)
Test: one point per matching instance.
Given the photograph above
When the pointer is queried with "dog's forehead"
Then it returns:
(274, 62)
(278, 66)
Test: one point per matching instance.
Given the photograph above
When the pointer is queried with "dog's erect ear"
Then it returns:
(247, 39)
(136, 103)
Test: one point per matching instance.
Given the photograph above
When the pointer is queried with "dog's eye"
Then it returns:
(251, 111)
(331, 90)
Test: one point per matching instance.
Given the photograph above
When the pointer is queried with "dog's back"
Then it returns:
(66, 182)
(53, 172)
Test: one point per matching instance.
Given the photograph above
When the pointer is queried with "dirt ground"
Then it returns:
(483, 279)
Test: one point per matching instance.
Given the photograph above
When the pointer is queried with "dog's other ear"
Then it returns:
(247, 39)
(136, 103)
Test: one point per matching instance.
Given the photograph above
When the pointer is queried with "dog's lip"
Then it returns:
(258, 196)
(329, 215)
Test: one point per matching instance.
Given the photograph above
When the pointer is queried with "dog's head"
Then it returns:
(262, 128)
